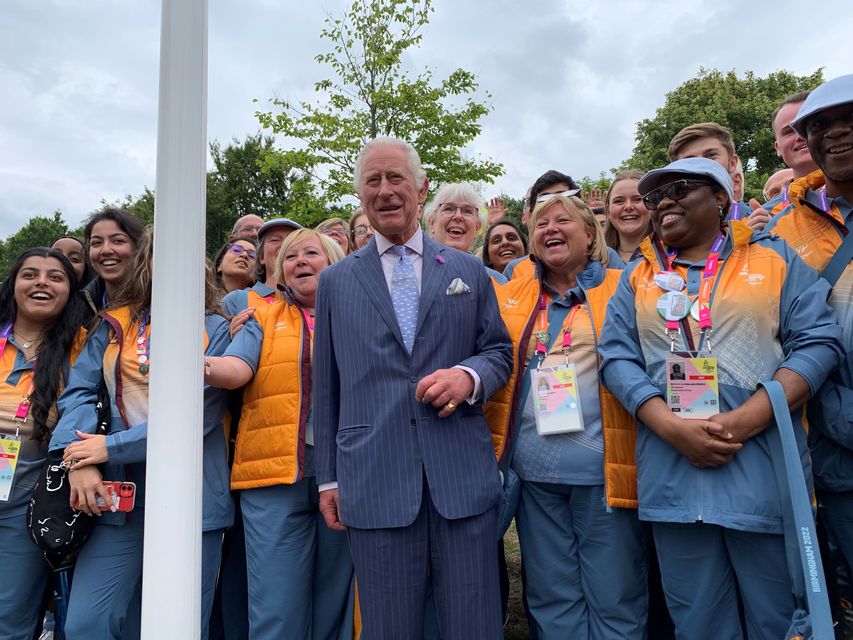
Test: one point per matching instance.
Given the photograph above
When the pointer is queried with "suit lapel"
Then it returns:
(432, 272)
(368, 270)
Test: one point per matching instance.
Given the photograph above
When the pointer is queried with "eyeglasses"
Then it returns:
(361, 230)
(548, 196)
(237, 250)
(675, 191)
(335, 231)
(248, 228)
(448, 209)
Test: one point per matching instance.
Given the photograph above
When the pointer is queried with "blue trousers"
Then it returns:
(393, 567)
(704, 567)
(23, 579)
(585, 568)
(837, 512)
(106, 591)
(299, 571)
(106, 581)
(211, 554)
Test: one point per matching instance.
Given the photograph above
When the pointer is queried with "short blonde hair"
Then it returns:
(576, 206)
(332, 249)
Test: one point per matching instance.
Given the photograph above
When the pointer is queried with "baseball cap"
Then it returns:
(277, 222)
(830, 94)
(684, 168)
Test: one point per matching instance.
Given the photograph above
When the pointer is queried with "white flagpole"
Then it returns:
(171, 592)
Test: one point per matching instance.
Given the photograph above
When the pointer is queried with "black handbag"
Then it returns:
(57, 528)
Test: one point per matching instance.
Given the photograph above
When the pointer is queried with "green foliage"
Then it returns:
(40, 231)
(744, 105)
(587, 184)
(370, 96)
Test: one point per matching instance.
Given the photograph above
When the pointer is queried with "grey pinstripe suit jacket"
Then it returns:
(371, 434)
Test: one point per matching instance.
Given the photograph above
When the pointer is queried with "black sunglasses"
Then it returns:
(674, 191)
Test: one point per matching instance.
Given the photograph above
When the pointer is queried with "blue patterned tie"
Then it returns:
(404, 295)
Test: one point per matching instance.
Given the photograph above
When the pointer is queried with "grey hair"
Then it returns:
(454, 191)
(415, 166)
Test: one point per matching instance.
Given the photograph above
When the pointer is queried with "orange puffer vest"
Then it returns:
(517, 300)
(271, 438)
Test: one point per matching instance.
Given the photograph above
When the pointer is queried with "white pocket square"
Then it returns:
(457, 287)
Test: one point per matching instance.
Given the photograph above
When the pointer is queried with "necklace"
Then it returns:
(27, 342)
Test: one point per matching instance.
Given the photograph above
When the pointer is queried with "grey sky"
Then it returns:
(568, 80)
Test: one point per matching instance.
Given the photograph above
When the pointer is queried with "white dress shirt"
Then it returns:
(387, 258)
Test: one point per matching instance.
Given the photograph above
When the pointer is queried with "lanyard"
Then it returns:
(24, 406)
(542, 334)
(824, 201)
(734, 213)
(270, 298)
(4, 338)
(309, 320)
(704, 300)
(786, 199)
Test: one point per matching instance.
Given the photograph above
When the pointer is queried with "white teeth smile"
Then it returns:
(841, 148)
(109, 263)
(40, 295)
(553, 243)
(508, 252)
(670, 217)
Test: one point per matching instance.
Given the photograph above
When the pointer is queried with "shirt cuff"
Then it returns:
(325, 486)
(475, 396)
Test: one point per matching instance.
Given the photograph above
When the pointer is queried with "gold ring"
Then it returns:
(450, 405)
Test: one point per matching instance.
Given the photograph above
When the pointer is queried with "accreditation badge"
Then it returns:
(10, 449)
(556, 401)
(692, 387)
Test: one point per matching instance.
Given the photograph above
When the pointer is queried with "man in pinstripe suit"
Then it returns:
(404, 456)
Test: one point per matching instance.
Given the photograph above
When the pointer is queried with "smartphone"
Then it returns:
(122, 496)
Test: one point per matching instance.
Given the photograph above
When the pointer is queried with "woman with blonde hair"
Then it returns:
(299, 570)
(567, 438)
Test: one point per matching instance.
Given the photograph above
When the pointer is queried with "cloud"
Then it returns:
(568, 80)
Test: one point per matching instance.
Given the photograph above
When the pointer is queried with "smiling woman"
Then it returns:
(453, 216)
(705, 474)
(290, 554)
(40, 315)
(112, 237)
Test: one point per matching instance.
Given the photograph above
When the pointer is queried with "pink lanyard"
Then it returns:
(24, 406)
(708, 275)
(309, 320)
(542, 321)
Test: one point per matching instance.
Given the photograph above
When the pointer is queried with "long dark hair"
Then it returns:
(55, 348)
(506, 221)
(217, 259)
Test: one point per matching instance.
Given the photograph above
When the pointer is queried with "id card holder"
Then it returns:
(692, 387)
(10, 450)
(556, 402)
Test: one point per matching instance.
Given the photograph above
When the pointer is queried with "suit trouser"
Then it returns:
(299, 571)
(393, 567)
(704, 567)
(585, 567)
(23, 579)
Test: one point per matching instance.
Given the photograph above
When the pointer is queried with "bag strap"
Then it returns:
(839, 261)
(801, 545)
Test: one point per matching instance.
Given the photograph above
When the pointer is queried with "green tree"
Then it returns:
(744, 105)
(40, 231)
(370, 95)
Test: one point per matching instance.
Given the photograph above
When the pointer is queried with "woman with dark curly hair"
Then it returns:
(40, 316)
